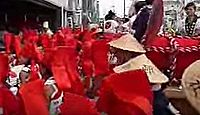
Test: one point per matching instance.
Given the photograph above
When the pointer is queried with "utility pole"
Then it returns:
(124, 8)
(84, 13)
(98, 16)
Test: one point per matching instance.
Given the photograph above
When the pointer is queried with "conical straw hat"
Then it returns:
(127, 42)
(191, 84)
(142, 62)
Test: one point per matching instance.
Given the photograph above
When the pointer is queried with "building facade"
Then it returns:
(90, 9)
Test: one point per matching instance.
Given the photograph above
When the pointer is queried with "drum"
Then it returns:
(191, 84)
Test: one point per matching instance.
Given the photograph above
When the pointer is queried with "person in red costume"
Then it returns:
(9, 105)
(132, 63)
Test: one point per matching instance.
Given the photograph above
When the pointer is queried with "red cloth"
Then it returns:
(65, 39)
(8, 41)
(111, 36)
(65, 58)
(34, 71)
(45, 40)
(78, 34)
(184, 59)
(59, 37)
(34, 99)
(86, 57)
(4, 68)
(154, 56)
(66, 30)
(27, 50)
(17, 45)
(30, 36)
(87, 67)
(155, 21)
(61, 77)
(37, 54)
(9, 103)
(59, 69)
(31, 51)
(70, 62)
(100, 50)
(77, 105)
(127, 92)
(47, 57)
(71, 41)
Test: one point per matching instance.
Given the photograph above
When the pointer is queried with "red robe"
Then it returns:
(9, 103)
(126, 93)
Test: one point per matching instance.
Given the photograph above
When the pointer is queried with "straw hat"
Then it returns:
(127, 42)
(142, 62)
(191, 84)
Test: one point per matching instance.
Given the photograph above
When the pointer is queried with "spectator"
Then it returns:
(189, 26)
(110, 24)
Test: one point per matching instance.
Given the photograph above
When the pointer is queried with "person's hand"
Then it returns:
(143, 40)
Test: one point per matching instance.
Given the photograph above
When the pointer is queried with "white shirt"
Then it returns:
(49, 32)
(181, 27)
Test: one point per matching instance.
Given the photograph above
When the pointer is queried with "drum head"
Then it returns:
(191, 84)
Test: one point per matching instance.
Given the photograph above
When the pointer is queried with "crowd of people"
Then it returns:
(87, 72)
(139, 14)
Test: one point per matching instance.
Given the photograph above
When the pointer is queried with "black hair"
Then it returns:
(139, 5)
(13, 29)
(149, 2)
(189, 5)
(126, 20)
(110, 15)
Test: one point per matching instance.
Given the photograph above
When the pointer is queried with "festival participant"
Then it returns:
(110, 24)
(129, 56)
(141, 21)
(9, 104)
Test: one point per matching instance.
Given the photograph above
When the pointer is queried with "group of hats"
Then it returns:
(129, 43)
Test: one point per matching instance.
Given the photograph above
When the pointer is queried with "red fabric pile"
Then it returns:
(77, 105)
(126, 93)
(187, 56)
(155, 54)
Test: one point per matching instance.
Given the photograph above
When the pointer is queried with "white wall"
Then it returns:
(55, 2)
(60, 2)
